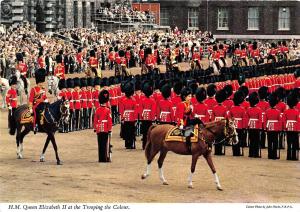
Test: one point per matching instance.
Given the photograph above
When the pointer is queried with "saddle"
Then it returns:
(175, 134)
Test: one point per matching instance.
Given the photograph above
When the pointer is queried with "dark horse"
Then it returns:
(206, 137)
(54, 114)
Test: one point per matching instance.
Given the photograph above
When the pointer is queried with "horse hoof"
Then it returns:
(144, 176)
(165, 183)
(219, 188)
(59, 163)
(20, 156)
(190, 186)
(42, 159)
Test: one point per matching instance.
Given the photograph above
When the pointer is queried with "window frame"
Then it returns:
(164, 17)
(193, 18)
(282, 19)
(255, 19)
(220, 9)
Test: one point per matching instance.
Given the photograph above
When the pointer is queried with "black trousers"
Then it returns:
(263, 139)
(76, 119)
(11, 116)
(89, 118)
(103, 147)
(292, 145)
(236, 149)
(273, 144)
(83, 119)
(219, 147)
(71, 121)
(145, 125)
(254, 142)
(129, 134)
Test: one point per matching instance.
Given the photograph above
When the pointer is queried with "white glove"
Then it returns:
(46, 101)
(30, 110)
(9, 107)
(181, 127)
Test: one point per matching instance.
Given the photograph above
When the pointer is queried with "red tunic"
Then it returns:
(11, 98)
(128, 109)
(147, 109)
(76, 99)
(254, 118)
(41, 62)
(228, 103)
(164, 111)
(89, 96)
(60, 71)
(273, 120)
(239, 116)
(96, 98)
(183, 112)
(219, 112)
(102, 120)
(36, 96)
(22, 68)
(93, 62)
(113, 97)
(290, 120)
(201, 112)
(79, 58)
(83, 99)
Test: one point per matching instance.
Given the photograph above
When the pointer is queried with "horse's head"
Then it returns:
(65, 111)
(230, 131)
(50, 83)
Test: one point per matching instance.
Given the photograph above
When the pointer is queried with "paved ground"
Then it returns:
(83, 179)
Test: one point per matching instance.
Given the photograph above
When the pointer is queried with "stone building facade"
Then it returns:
(49, 15)
(229, 18)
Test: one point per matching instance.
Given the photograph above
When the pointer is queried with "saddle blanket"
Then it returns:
(26, 117)
(175, 134)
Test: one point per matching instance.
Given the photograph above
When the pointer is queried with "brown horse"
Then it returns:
(224, 128)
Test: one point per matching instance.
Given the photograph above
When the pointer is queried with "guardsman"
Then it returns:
(59, 70)
(264, 105)
(272, 54)
(186, 52)
(175, 98)
(79, 59)
(36, 97)
(245, 104)
(111, 58)
(222, 52)
(237, 112)
(142, 55)
(147, 111)
(281, 106)
(228, 103)
(211, 101)
(219, 112)
(41, 59)
(291, 119)
(138, 96)
(22, 68)
(96, 91)
(113, 99)
(164, 109)
(84, 104)
(255, 54)
(90, 100)
(76, 102)
(254, 125)
(244, 54)
(103, 127)
(62, 94)
(128, 113)
(201, 109)
(70, 87)
(273, 127)
(11, 98)
(93, 63)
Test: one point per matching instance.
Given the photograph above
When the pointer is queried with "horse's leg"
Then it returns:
(193, 167)
(150, 154)
(21, 137)
(19, 156)
(42, 157)
(52, 138)
(160, 161)
(208, 158)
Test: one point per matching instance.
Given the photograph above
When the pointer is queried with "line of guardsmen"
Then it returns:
(258, 112)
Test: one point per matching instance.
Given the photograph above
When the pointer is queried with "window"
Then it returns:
(284, 18)
(164, 17)
(223, 19)
(193, 17)
(253, 18)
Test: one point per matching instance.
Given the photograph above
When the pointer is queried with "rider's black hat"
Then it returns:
(103, 96)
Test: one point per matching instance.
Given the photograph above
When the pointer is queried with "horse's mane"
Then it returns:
(213, 123)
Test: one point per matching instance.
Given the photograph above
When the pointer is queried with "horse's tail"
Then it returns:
(148, 144)
(12, 124)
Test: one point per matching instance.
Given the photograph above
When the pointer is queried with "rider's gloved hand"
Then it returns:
(30, 110)
(181, 127)
(46, 101)
(9, 107)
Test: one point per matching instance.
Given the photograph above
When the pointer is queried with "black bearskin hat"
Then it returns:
(128, 89)
(273, 99)
(297, 73)
(280, 92)
(104, 82)
(193, 86)
(76, 82)
(103, 96)
(137, 85)
(121, 53)
(263, 92)
(238, 98)
(58, 58)
(13, 80)
(62, 84)
(273, 45)
(200, 94)
(40, 75)
(70, 83)
(90, 81)
(184, 93)
(61, 52)
(19, 57)
(211, 90)
(111, 81)
(228, 89)
(147, 89)
(253, 99)
(215, 48)
(97, 81)
(220, 96)
(221, 46)
(92, 53)
(79, 50)
(83, 82)
(178, 87)
(245, 90)
(292, 100)
(166, 91)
